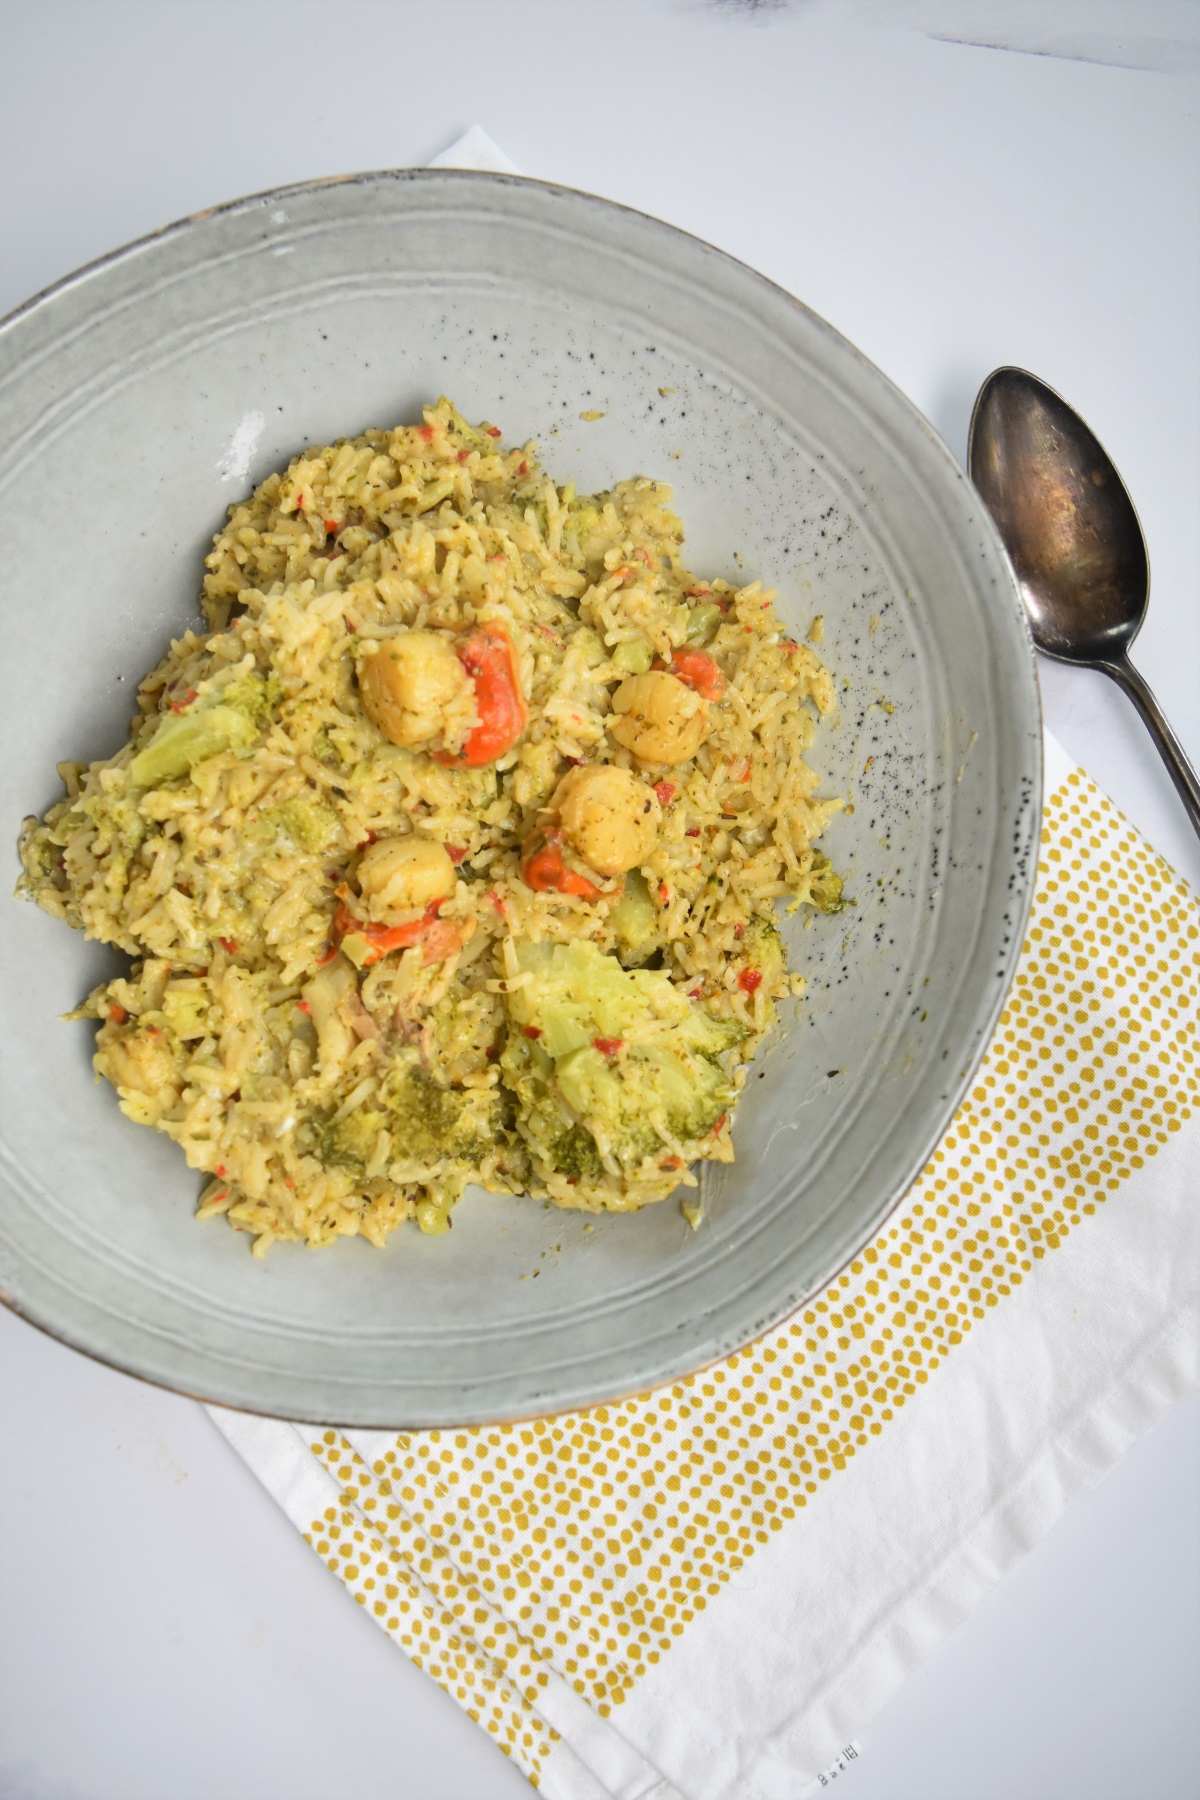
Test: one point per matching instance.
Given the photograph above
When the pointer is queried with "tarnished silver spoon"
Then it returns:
(1074, 541)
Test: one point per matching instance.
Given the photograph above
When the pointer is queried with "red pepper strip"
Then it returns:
(493, 431)
(749, 980)
(544, 870)
(385, 938)
(456, 852)
(117, 1014)
(425, 431)
(489, 659)
(532, 1031)
(178, 706)
(696, 669)
(719, 1123)
(442, 941)
(608, 1046)
(665, 791)
(229, 946)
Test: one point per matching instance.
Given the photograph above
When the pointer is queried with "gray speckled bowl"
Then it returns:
(144, 394)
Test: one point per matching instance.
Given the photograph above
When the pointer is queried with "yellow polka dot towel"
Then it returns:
(703, 1593)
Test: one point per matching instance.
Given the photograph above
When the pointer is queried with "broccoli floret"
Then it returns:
(825, 886)
(347, 1143)
(575, 1153)
(628, 1097)
(623, 1055)
(254, 695)
(188, 738)
(310, 824)
(429, 1122)
(635, 920)
(762, 949)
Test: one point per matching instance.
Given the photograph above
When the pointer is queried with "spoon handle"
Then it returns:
(1168, 745)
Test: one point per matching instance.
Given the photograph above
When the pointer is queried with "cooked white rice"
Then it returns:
(331, 1094)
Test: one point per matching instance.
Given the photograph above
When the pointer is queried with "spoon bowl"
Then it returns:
(1073, 538)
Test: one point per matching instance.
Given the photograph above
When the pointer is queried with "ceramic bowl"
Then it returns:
(144, 394)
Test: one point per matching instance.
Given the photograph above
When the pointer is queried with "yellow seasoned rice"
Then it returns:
(326, 1094)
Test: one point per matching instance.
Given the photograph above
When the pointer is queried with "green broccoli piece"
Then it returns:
(825, 886)
(188, 738)
(255, 695)
(429, 1122)
(762, 949)
(635, 920)
(347, 1143)
(310, 824)
(623, 1055)
(575, 1153)
(703, 622)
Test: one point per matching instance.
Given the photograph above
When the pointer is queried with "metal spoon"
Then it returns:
(1074, 541)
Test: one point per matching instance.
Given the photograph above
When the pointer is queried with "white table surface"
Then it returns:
(949, 206)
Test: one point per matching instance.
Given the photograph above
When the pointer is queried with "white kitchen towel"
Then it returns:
(705, 1592)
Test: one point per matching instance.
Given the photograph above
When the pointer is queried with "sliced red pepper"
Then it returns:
(493, 431)
(532, 1031)
(608, 1046)
(442, 941)
(229, 946)
(456, 852)
(665, 790)
(696, 669)
(178, 706)
(490, 660)
(749, 980)
(117, 1014)
(543, 869)
(439, 938)
(426, 432)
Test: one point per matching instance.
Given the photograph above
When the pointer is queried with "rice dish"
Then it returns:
(450, 851)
